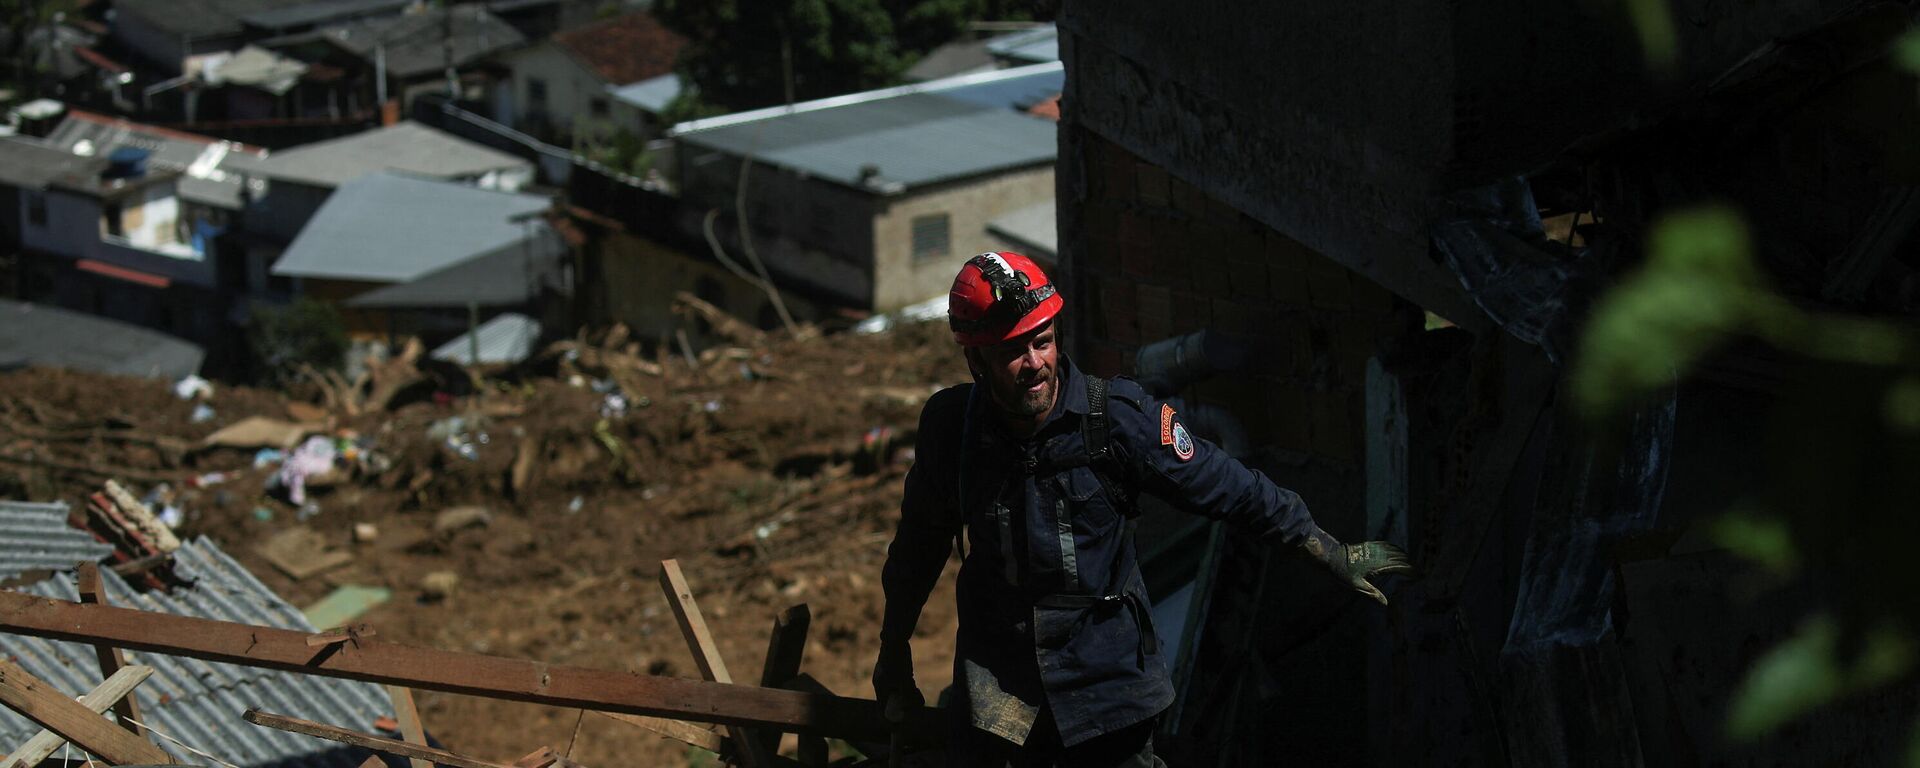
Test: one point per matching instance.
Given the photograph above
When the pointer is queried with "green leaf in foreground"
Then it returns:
(1764, 540)
(1698, 286)
(1805, 672)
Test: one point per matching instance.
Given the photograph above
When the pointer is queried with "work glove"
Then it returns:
(893, 682)
(1356, 565)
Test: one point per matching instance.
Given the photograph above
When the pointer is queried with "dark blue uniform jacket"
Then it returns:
(1052, 608)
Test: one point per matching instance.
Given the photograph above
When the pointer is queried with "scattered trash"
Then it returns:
(171, 516)
(307, 511)
(208, 480)
(259, 432)
(267, 457)
(439, 585)
(202, 413)
(344, 604)
(460, 518)
(365, 532)
(574, 507)
(576, 381)
(313, 458)
(300, 552)
(711, 406)
(613, 406)
(193, 386)
(308, 413)
(263, 514)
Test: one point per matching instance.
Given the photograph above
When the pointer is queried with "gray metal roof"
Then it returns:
(211, 168)
(30, 164)
(509, 338)
(1034, 228)
(199, 18)
(36, 537)
(915, 135)
(199, 702)
(41, 335)
(414, 41)
(652, 94)
(388, 228)
(323, 12)
(1032, 46)
(512, 274)
(406, 146)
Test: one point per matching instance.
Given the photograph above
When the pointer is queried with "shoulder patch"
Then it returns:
(1166, 424)
(1182, 442)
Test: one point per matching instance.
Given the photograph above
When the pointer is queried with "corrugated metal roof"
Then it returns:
(652, 95)
(394, 229)
(407, 147)
(211, 168)
(508, 338)
(914, 135)
(37, 334)
(30, 164)
(1031, 46)
(35, 537)
(321, 12)
(199, 702)
(1034, 227)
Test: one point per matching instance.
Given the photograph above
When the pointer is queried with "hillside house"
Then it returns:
(873, 199)
(566, 87)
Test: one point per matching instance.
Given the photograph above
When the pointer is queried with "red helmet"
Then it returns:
(998, 296)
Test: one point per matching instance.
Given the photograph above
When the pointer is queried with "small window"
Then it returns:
(36, 209)
(536, 92)
(110, 213)
(932, 236)
(598, 107)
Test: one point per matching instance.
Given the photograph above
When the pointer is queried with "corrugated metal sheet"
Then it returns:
(913, 139)
(199, 702)
(386, 228)
(37, 334)
(35, 537)
(508, 338)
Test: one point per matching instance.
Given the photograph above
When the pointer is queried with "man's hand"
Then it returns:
(893, 682)
(1358, 564)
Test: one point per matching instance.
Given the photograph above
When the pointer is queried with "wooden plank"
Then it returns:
(786, 644)
(118, 687)
(358, 739)
(374, 761)
(467, 674)
(112, 660)
(705, 737)
(54, 711)
(752, 753)
(409, 717)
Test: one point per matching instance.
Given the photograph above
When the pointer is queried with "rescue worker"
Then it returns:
(1039, 465)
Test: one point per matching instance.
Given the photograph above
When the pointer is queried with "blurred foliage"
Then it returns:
(1807, 671)
(306, 332)
(1659, 40)
(1906, 51)
(1841, 459)
(616, 149)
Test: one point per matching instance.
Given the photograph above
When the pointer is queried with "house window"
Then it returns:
(536, 93)
(598, 107)
(111, 214)
(932, 236)
(36, 209)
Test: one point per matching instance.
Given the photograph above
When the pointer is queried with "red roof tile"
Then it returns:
(624, 49)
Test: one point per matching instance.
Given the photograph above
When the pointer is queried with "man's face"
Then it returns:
(1022, 373)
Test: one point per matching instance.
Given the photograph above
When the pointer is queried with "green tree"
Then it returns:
(306, 332)
(747, 55)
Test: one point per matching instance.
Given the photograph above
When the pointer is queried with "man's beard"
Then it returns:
(1024, 402)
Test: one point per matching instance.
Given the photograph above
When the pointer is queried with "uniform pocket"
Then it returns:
(1092, 509)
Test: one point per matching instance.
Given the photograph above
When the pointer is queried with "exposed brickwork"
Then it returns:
(1160, 258)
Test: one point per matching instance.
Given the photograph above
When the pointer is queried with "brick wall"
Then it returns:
(1153, 257)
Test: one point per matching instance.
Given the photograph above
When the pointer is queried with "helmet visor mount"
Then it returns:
(1011, 298)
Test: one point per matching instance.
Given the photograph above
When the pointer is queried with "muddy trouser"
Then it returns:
(1129, 747)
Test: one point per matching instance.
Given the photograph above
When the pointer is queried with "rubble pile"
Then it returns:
(525, 511)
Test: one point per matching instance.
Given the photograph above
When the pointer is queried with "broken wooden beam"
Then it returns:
(117, 688)
(409, 717)
(468, 674)
(368, 741)
(73, 721)
(112, 660)
(786, 644)
(752, 751)
(699, 735)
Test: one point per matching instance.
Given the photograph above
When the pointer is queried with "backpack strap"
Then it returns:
(1096, 433)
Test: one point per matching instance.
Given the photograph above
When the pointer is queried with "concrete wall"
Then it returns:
(285, 209)
(640, 277)
(72, 221)
(809, 232)
(899, 278)
(571, 90)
